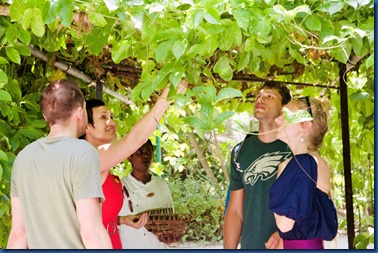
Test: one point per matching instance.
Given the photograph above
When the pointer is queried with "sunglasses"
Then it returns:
(307, 99)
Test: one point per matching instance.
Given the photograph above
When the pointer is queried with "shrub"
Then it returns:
(205, 202)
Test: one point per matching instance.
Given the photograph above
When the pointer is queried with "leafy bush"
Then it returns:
(205, 202)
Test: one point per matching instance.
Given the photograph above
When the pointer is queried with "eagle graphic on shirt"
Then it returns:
(264, 167)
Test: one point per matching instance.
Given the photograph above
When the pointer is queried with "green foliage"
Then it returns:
(204, 202)
(209, 43)
(361, 130)
(20, 123)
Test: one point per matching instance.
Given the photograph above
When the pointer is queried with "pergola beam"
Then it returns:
(76, 73)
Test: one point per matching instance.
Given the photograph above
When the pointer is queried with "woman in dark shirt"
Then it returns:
(304, 213)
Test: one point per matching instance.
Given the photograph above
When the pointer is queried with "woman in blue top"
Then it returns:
(304, 213)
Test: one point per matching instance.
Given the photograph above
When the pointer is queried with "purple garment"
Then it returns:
(303, 244)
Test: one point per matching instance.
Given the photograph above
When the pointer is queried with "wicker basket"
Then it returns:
(166, 225)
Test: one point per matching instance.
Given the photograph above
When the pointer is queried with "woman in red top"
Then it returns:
(101, 133)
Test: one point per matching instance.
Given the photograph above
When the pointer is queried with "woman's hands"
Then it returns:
(134, 221)
(180, 90)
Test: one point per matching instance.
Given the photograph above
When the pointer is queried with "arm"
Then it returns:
(234, 220)
(17, 237)
(117, 151)
(284, 224)
(324, 180)
(92, 230)
(274, 242)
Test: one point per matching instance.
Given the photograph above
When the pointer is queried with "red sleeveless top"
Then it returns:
(112, 188)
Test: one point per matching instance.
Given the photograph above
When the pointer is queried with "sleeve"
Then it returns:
(13, 190)
(293, 193)
(168, 196)
(235, 177)
(86, 181)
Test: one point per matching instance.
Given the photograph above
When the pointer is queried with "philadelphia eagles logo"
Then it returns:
(264, 167)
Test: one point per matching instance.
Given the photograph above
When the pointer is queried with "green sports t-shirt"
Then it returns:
(254, 166)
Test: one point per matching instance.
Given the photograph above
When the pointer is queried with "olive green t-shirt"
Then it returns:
(254, 166)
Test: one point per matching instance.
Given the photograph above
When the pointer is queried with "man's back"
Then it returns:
(48, 177)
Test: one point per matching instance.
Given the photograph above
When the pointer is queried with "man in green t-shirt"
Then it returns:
(254, 164)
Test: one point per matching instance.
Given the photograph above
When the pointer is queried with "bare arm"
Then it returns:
(284, 224)
(92, 230)
(114, 153)
(324, 180)
(274, 242)
(234, 220)
(17, 237)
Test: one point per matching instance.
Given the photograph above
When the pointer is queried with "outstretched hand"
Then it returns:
(180, 89)
(182, 86)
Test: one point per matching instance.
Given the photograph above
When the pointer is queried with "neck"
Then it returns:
(268, 132)
(93, 141)
(57, 130)
(299, 148)
(144, 177)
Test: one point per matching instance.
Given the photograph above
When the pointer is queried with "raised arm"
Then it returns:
(114, 153)
(233, 221)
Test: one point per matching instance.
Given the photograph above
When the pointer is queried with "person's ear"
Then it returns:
(79, 113)
(306, 124)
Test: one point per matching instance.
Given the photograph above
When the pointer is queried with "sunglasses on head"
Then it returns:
(307, 99)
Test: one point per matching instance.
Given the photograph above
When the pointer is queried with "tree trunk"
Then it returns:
(202, 159)
(221, 159)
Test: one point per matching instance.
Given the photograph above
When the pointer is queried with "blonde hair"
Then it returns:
(320, 114)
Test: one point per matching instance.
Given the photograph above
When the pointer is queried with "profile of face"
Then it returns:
(268, 104)
(104, 129)
(141, 160)
(292, 123)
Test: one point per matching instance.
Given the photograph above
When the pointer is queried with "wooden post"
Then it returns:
(158, 149)
(346, 155)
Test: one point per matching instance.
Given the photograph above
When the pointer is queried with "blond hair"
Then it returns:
(320, 114)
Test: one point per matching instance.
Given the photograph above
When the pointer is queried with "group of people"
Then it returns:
(64, 196)
(62, 192)
(279, 192)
